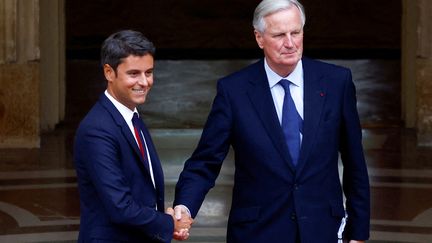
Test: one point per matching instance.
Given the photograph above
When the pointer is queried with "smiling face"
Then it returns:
(282, 40)
(132, 81)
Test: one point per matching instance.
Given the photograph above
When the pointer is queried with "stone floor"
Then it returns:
(39, 201)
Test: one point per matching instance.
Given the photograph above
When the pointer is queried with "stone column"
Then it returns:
(53, 60)
(409, 54)
(424, 74)
(19, 73)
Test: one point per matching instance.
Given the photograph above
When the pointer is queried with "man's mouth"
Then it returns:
(288, 53)
(140, 91)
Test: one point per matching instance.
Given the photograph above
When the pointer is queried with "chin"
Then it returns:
(140, 101)
(291, 61)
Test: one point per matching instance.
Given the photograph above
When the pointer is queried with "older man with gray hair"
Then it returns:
(288, 119)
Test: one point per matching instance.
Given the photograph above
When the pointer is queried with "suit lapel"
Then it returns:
(156, 165)
(132, 142)
(261, 98)
(119, 120)
(314, 98)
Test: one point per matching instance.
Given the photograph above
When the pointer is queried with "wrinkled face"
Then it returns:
(133, 80)
(282, 40)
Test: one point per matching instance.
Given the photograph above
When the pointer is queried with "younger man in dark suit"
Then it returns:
(119, 173)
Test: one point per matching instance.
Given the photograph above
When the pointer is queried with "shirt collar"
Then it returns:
(124, 111)
(296, 76)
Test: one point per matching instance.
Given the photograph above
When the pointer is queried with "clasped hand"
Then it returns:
(182, 222)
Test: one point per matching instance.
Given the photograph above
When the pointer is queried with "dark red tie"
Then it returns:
(137, 128)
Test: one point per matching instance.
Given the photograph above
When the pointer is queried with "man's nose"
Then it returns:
(288, 41)
(143, 80)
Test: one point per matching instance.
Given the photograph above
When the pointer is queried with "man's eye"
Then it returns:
(149, 73)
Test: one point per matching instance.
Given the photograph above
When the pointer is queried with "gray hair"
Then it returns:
(267, 7)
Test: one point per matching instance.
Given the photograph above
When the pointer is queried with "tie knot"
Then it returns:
(135, 119)
(285, 84)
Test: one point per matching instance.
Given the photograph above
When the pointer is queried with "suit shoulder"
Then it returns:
(97, 118)
(243, 75)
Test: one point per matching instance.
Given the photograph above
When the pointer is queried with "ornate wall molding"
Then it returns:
(19, 31)
(8, 9)
(425, 30)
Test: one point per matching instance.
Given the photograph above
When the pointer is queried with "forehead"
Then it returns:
(286, 18)
(137, 62)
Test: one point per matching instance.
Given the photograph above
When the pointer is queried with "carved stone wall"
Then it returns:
(19, 106)
(19, 73)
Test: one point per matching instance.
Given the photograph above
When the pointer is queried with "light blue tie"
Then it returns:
(292, 123)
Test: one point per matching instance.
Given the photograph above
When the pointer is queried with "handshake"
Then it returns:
(182, 221)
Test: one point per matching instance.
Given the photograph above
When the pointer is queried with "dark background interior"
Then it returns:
(199, 41)
(220, 29)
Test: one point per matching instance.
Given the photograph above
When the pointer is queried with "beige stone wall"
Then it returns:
(424, 101)
(19, 73)
(19, 106)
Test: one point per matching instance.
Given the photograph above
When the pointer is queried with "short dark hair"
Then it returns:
(123, 44)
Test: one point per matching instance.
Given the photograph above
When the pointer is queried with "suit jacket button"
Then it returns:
(293, 216)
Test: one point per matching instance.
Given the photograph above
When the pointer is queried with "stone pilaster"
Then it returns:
(424, 74)
(424, 102)
(409, 36)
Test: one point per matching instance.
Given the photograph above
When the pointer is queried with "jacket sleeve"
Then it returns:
(355, 175)
(201, 170)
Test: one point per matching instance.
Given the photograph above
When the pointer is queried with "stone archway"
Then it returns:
(32, 69)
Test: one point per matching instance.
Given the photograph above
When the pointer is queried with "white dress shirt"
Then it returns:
(127, 115)
(278, 93)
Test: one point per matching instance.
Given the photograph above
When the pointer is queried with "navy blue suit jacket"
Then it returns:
(117, 197)
(272, 200)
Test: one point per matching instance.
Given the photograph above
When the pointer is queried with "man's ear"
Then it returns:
(109, 72)
(259, 38)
